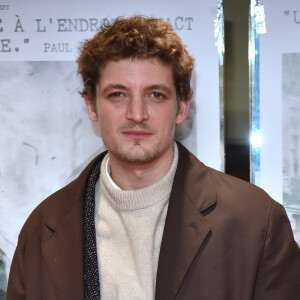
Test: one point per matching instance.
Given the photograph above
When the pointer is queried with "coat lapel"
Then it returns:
(62, 251)
(63, 256)
(185, 228)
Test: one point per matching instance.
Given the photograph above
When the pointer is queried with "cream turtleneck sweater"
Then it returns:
(129, 228)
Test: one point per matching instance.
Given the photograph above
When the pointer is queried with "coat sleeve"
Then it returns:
(16, 286)
(279, 272)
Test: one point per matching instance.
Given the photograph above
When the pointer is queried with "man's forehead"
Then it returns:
(134, 60)
(139, 69)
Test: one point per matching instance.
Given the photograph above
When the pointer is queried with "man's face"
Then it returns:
(137, 110)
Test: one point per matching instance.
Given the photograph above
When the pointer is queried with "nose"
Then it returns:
(137, 109)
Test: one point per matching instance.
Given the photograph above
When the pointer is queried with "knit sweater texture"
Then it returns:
(129, 229)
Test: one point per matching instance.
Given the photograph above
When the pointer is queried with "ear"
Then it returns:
(183, 109)
(91, 107)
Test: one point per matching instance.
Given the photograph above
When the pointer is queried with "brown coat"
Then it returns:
(223, 239)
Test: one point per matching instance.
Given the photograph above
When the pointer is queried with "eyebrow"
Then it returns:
(159, 87)
(114, 87)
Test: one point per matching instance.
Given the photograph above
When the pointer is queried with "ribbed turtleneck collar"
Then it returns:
(141, 198)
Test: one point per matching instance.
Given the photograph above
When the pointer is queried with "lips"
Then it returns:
(136, 134)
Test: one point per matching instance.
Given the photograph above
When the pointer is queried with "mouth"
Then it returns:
(136, 134)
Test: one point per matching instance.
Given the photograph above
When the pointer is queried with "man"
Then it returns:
(147, 220)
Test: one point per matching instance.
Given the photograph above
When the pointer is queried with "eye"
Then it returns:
(116, 95)
(157, 95)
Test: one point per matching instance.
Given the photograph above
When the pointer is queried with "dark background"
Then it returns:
(236, 87)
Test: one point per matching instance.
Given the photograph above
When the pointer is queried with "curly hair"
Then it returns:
(135, 37)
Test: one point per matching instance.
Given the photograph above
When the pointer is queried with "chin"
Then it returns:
(137, 155)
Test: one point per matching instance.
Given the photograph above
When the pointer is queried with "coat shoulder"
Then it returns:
(54, 209)
(238, 188)
(206, 186)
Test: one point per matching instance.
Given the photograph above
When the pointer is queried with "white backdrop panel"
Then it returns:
(47, 137)
(282, 37)
(280, 106)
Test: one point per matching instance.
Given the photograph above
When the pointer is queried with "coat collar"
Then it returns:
(184, 232)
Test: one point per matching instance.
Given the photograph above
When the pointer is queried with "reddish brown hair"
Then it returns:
(135, 37)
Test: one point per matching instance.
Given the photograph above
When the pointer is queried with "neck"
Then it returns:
(130, 176)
